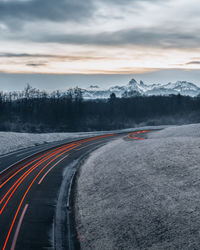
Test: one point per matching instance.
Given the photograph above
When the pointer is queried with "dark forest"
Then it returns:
(33, 110)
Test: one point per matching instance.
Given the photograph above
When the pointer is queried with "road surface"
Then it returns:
(35, 201)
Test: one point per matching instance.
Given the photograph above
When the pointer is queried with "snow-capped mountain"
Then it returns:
(139, 88)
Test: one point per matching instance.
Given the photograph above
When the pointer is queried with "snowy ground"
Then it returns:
(142, 194)
(11, 141)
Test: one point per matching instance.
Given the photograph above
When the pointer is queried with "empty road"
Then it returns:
(35, 202)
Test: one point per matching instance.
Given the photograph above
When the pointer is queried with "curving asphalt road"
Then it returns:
(35, 187)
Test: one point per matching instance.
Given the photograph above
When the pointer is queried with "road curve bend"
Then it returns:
(35, 210)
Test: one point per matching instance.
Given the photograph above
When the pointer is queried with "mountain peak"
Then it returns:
(141, 83)
(132, 82)
(94, 87)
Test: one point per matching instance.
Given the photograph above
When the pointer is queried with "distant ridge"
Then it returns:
(134, 88)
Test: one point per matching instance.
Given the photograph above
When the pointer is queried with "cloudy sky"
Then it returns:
(59, 43)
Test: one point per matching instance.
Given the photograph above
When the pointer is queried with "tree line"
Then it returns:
(33, 110)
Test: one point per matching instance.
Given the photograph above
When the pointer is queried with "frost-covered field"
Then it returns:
(11, 141)
(142, 194)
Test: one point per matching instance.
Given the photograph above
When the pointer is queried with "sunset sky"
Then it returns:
(112, 40)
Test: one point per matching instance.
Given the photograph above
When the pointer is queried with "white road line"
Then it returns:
(28, 152)
(3, 156)
(18, 152)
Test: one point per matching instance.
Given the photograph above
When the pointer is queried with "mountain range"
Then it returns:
(134, 88)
